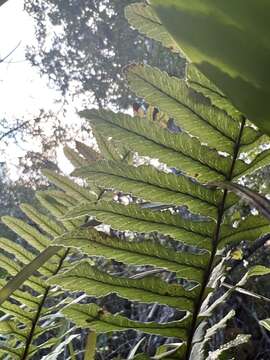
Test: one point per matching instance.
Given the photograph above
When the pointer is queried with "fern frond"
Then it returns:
(201, 239)
(25, 318)
(152, 185)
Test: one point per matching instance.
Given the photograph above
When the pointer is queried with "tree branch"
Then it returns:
(9, 132)
(12, 51)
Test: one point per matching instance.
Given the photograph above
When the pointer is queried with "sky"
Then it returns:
(22, 90)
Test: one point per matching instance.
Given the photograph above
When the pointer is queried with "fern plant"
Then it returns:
(150, 184)
(31, 313)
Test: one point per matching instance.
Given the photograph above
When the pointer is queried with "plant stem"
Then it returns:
(208, 272)
(40, 307)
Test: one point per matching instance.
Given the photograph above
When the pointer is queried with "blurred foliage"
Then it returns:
(229, 43)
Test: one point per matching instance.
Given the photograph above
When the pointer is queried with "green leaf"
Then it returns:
(146, 252)
(202, 226)
(97, 283)
(46, 224)
(8, 326)
(23, 297)
(258, 270)
(198, 82)
(57, 203)
(109, 149)
(261, 160)
(27, 232)
(87, 152)
(22, 255)
(76, 159)
(8, 350)
(69, 186)
(93, 317)
(24, 316)
(229, 43)
(152, 185)
(201, 84)
(133, 218)
(249, 237)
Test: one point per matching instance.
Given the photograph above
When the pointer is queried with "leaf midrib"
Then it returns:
(188, 156)
(99, 281)
(99, 318)
(157, 186)
(39, 310)
(138, 253)
(157, 222)
(215, 241)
